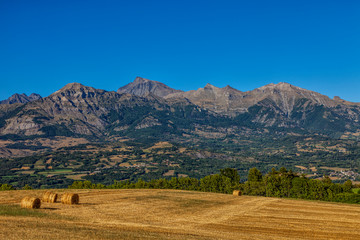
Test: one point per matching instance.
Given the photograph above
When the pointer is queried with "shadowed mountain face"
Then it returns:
(142, 87)
(73, 109)
(21, 98)
(154, 109)
(80, 110)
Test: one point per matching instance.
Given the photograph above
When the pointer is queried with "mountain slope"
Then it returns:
(142, 87)
(221, 100)
(74, 108)
(228, 99)
(80, 110)
(286, 95)
(278, 105)
(21, 98)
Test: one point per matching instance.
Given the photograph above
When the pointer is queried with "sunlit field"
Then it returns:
(171, 214)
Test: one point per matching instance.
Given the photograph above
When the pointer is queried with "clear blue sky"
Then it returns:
(184, 44)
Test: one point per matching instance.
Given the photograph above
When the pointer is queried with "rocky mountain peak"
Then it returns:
(209, 86)
(34, 96)
(229, 100)
(86, 110)
(285, 96)
(219, 91)
(142, 87)
(21, 98)
(77, 91)
(230, 89)
(279, 86)
(73, 86)
(283, 84)
(142, 80)
(76, 88)
(222, 100)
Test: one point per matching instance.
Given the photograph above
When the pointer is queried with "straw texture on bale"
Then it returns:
(237, 193)
(49, 197)
(30, 202)
(70, 198)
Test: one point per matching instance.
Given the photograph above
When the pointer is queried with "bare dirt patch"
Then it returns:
(301, 167)
(313, 169)
(169, 173)
(337, 169)
(160, 145)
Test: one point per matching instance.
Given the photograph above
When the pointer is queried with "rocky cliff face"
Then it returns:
(286, 95)
(142, 87)
(82, 110)
(229, 100)
(225, 100)
(21, 98)
(144, 104)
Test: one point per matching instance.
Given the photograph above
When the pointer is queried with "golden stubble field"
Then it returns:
(171, 214)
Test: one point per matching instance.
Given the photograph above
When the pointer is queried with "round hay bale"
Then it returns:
(49, 197)
(70, 198)
(30, 202)
(45, 196)
(237, 193)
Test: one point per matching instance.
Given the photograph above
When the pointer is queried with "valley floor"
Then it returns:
(171, 214)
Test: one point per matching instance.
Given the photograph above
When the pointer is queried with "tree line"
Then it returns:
(277, 183)
(281, 183)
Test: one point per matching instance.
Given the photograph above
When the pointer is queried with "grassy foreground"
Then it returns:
(173, 214)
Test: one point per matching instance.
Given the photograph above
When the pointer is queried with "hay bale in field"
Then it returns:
(70, 198)
(30, 202)
(49, 197)
(237, 193)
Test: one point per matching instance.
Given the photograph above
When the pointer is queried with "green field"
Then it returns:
(56, 172)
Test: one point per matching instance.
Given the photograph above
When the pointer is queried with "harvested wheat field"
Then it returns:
(170, 214)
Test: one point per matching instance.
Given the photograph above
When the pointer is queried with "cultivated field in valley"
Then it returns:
(171, 214)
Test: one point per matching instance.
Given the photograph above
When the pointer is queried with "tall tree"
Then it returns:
(232, 174)
(255, 175)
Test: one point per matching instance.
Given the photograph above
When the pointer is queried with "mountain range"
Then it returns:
(21, 98)
(145, 108)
